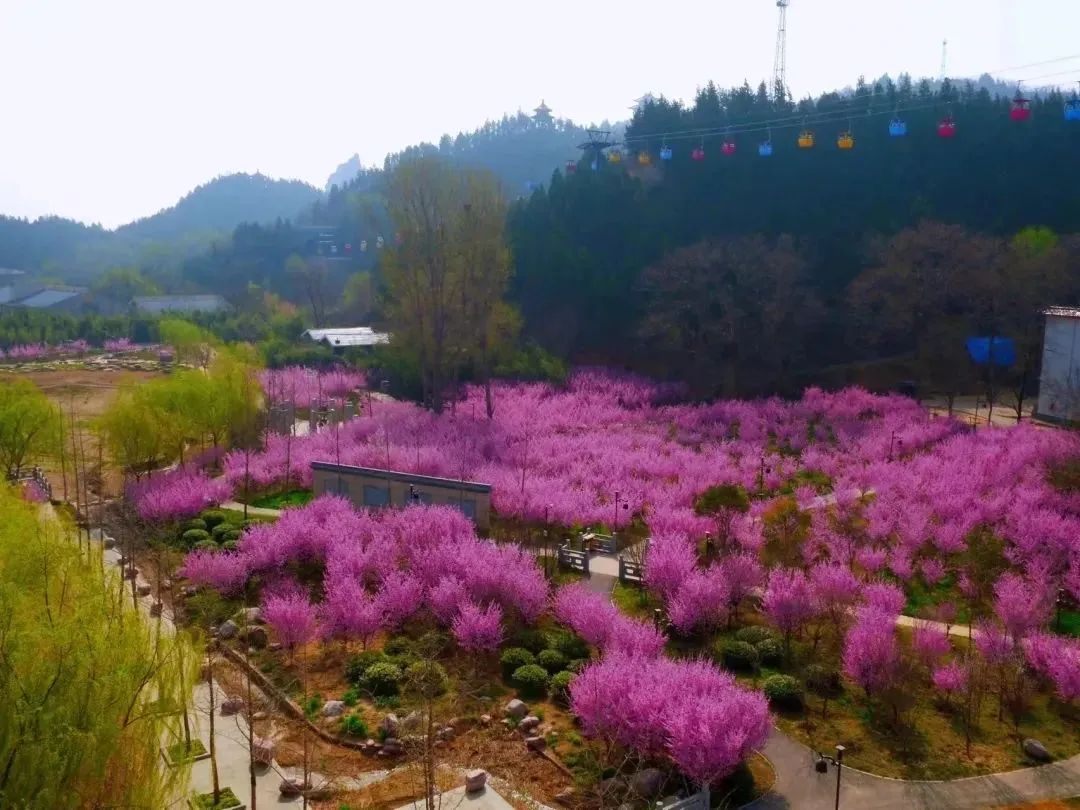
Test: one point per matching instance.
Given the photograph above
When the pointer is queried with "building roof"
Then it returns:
(408, 478)
(1062, 312)
(47, 297)
(348, 336)
(179, 303)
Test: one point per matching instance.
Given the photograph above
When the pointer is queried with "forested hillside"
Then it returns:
(749, 273)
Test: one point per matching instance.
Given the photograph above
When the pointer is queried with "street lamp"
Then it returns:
(625, 503)
(822, 766)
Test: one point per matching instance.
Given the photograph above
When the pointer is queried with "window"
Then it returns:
(338, 486)
(468, 507)
(376, 496)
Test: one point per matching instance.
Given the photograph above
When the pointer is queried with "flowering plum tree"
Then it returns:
(478, 629)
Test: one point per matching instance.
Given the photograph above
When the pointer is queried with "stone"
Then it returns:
(516, 709)
(1036, 750)
(647, 783)
(475, 781)
(390, 725)
(231, 706)
(566, 798)
(156, 608)
(166, 584)
(251, 615)
(189, 590)
(258, 716)
(529, 723)
(227, 629)
(262, 750)
(485, 719)
(609, 788)
(535, 743)
(333, 708)
(274, 646)
(255, 637)
(411, 721)
(143, 589)
(293, 786)
(108, 542)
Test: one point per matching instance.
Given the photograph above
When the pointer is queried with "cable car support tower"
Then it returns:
(599, 140)
(780, 60)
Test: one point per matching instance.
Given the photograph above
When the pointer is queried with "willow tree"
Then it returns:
(447, 274)
(91, 689)
(30, 426)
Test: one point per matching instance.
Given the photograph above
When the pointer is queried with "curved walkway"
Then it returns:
(799, 787)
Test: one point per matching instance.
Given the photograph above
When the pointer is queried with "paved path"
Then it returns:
(261, 511)
(799, 787)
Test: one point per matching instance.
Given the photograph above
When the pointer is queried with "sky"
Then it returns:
(113, 109)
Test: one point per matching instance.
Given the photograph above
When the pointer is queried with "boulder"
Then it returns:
(475, 781)
(516, 709)
(566, 798)
(231, 706)
(108, 542)
(1036, 750)
(143, 589)
(535, 743)
(333, 708)
(262, 750)
(647, 783)
(390, 725)
(156, 608)
(255, 637)
(251, 615)
(166, 584)
(227, 629)
(529, 723)
(411, 722)
(370, 747)
(392, 747)
(293, 786)
(485, 719)
(608, 789)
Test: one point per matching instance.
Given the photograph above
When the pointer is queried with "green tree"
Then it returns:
(30, 426)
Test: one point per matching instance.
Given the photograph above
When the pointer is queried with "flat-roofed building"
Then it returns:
(373, 488)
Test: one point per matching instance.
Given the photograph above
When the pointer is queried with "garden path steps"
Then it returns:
(799, 787)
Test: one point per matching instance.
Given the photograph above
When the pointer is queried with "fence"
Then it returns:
(630, 571)
(603, 543)
(574, 560)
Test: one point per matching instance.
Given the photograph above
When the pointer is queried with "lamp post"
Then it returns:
(822, 766)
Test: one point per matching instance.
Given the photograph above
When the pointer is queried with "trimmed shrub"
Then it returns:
(513, 658)
(195, 523)
(398, 645)
(569, 644)
(383, 679)
(770, 651)
(426, 677)
(193, 536)
(206, 545)
(233, 534)
(358, 664)
(551, 660)
(531, 680)
(532, 640)
(560, 687)
(783, 691)
(231, 545)
(822, 680)
(739, 655)
(213, 517)
(220, 531)
(577, 665)
(755, 634)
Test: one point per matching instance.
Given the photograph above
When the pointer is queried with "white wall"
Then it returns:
(1059, 388)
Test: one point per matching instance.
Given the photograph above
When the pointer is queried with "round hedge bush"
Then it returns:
(358, 664)
(233, 535)
(770, 651)
(531, 680)
(560, 687)
(569, 644)
(383, 679)
(230, 545)
(212, 518)
(783, 691)
(195, 523)
(514, 657)
(192, 537)
(551, 660)
(739, 655)
(206, 545)
(755, 634)
(532, 640)
(220, 531)
(398, 645)
(822, 680)
(426, 677)
(577, 665)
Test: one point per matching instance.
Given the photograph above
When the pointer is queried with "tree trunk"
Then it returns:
(213, 744)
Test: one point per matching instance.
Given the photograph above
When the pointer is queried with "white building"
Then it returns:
(347, 337)
(1059, 385)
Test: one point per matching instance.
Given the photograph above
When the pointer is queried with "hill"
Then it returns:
(224, 203)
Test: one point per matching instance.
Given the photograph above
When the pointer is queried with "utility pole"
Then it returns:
(944, 58)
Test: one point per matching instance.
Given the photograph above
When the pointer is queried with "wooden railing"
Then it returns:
(630, 571)
(574, 560)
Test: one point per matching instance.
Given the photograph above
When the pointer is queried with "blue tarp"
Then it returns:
(1004, 350)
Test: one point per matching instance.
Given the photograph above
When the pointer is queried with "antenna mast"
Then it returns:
(780, 60)
(944, 58)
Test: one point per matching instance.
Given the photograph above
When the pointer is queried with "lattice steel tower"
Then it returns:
(780, 60)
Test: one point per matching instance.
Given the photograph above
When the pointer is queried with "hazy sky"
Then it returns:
(112, 109)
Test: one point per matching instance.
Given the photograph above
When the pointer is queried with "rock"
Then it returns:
(262, 750)
(485, 719)
(333, 708)
(566, 798)
(274, 646)
(446, 733)
(231, 706)
(227, 629)
(257, 716)
(255, 637)
(529, 723)
(131, 573)
(609, 788)
(516, 709)
(293, 786)
(390, 724)
(189, 590)
(535, 743)
(1036, 750)
(647, 783)
(108, 542)
(166, 584)
(143, 589)
(156, 608)
(475, 781)
(250, 615)
(370, 747)
(392, 747)
(411, 721)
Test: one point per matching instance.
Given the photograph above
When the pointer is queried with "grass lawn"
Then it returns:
(634, 600)
(205, 801)
(179, 753)
(283, 500)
